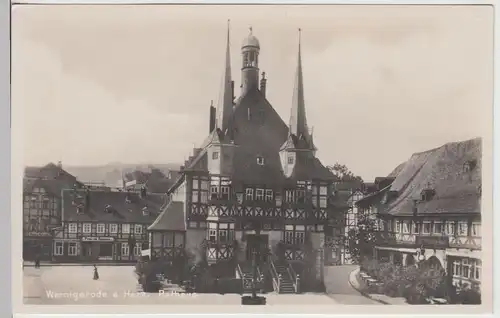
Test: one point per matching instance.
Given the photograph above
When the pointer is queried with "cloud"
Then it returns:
(125, 83)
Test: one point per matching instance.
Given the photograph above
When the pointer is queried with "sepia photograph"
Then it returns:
(306, 155)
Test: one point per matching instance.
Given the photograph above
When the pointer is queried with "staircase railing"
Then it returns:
(295, 278)
(276, 278)
(242, 277)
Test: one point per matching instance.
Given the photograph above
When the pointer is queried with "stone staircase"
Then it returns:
(286, 284)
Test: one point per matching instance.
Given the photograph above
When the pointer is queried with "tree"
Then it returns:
(362, 239)
(343, 173)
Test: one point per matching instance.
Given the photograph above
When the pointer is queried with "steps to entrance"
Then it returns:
(247, 271)
(286, 284)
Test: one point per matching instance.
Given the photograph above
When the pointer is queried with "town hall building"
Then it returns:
(254, 189)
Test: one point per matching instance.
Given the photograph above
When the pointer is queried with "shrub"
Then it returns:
(469, 296)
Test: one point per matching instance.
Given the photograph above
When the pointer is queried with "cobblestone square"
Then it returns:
(73, 285)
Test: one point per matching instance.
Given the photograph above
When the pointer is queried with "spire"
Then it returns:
(298, 121)
(228, 93)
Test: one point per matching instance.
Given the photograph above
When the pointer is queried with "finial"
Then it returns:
(300, 32)
(263, 75)
(212, 102)
(250, 28)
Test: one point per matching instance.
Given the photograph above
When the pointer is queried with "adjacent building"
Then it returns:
(255, 185)
(431, 212)
(104, 225)
(42, 188)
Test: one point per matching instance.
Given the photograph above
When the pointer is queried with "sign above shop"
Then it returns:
(98, 239)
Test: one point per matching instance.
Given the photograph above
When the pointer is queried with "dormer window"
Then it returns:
(469, 165)
(145, 211)
(427, 194)
(79, 209)
(260, 161)
(108, 208)
(215, 155)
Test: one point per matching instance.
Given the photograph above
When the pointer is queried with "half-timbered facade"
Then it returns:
(432, 211)
(42, 188)
(255, 186)
(104, 225)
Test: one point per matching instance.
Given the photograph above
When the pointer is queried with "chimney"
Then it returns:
(263, 84)
(59, 164)
(212, 117)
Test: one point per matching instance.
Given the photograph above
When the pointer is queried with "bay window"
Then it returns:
(220, 232)
(294, 234)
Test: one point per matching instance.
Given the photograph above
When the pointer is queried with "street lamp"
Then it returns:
(254, 299)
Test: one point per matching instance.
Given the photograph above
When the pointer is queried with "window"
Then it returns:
(469, 268)
(290, 160)
(476, 229)
(289, 196)
(87, 228)
(168, 239)
(113, 228)
(259, 194)
(72, 249)
(269, 195)
(450, 228)
(224, 192)
(45, 203)
(214, 192)
(125, 249)
(212, 235)
(415, 227)
(294, 234)
(195, 197)
(215, 155)
(101, 228)
(462, 228)
(426, 229)
(398, 226)
(438, 228)
(72, 228)
(137, 249)
(138, 229)
(58, 248)
(260, 161)
(249, 194)
(406, 227)
(126, 228)
(301, 196)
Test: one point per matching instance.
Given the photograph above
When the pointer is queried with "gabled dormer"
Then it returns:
(427, 194)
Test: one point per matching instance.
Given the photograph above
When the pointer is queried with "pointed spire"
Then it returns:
(228, 94)
(298, 121)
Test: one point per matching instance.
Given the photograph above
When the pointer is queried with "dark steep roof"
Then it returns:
(51, 186)
(443, 170)
(170, 219)
(259, 131)
(121, 211)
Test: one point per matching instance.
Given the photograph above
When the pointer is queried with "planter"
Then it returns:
(249, 300)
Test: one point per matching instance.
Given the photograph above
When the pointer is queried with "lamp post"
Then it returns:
(254, 299)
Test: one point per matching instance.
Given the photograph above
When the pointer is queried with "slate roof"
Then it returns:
(259, 132)
(121, 211)
(49, 171)
(172, 218)
(443, 170)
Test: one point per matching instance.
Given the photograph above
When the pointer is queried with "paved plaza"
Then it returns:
(73, 285)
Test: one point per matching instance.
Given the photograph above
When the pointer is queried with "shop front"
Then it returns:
(98, 248)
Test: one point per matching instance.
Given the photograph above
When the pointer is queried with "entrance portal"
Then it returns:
(259, 244)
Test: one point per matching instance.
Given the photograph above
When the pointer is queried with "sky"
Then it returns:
(133, 84)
